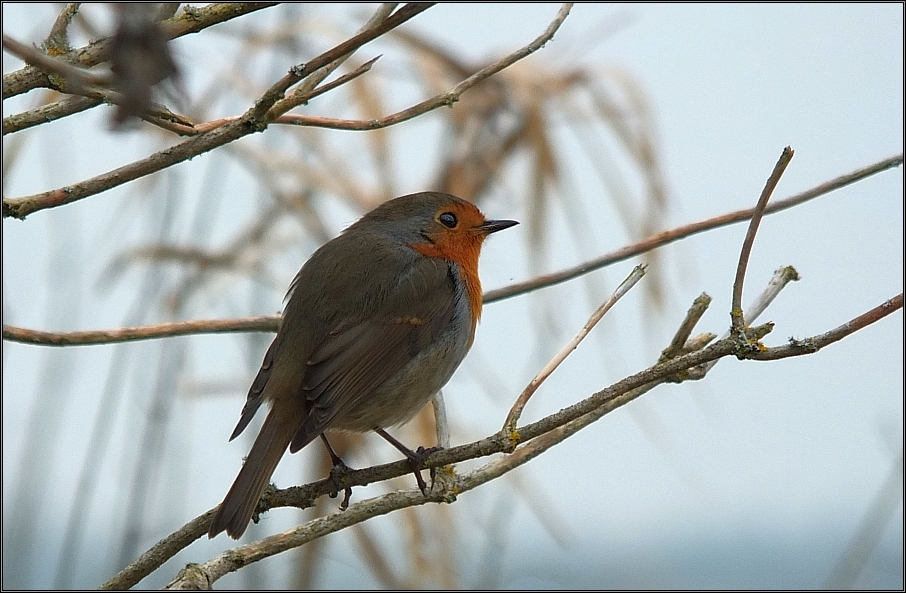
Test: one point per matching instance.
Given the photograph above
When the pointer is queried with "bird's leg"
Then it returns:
(336, 473)
(416, 458)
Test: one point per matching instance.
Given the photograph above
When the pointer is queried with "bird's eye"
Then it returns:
(448, 219)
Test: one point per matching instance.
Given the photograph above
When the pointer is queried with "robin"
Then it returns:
(375, 324)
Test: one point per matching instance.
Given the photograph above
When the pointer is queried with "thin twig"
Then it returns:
(444, 99)
(738, 323)
(693, 316)
(298, 99)
(813, 344)
(58, 38)
(302, 98)
(259, 112)
(782, 277)
(516, 411)
(669, 236)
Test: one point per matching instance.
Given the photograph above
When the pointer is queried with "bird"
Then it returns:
(375, 323)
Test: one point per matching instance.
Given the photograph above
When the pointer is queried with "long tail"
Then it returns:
(237, 507)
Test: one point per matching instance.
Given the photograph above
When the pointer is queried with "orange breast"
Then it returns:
(461, 245)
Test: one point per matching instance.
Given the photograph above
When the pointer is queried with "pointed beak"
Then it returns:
(492, 226)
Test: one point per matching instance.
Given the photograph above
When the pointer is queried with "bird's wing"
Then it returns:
(355, 359)
(253, 401)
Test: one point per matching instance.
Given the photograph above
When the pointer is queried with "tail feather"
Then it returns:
(237, 507)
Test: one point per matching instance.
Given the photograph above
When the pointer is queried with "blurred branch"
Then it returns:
(738, 323)
(47, 113)
(446, 99)
(75, 77)
(264, 323)
(254, 120)
(524, 444)
(878, 515)
(191, 20)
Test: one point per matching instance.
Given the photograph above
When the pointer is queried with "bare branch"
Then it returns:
(782, 277)
(58, 38)
(738, 323)
(47, 113)
(252, 121)
(159, 553)
(444, 99)
(814, 344)
(693, 315)
(264, 323)
(669, 236)
(76, 78)
(524, 444)
(260, 111)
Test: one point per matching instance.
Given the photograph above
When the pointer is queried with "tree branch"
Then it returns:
(515, 413)
(444, 99)
(254, 120)
(814, 344)
(736, 304)
(524, 444)
(669, 236)
(264, 323)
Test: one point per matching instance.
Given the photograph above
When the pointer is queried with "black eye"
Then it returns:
(448, 219)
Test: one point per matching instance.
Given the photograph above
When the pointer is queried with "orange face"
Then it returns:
(456, 234)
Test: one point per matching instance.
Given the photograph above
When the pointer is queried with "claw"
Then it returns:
(337, 472)
(416, 459)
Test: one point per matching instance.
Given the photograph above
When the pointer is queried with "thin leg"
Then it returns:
(339, 468)
(416, 458)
